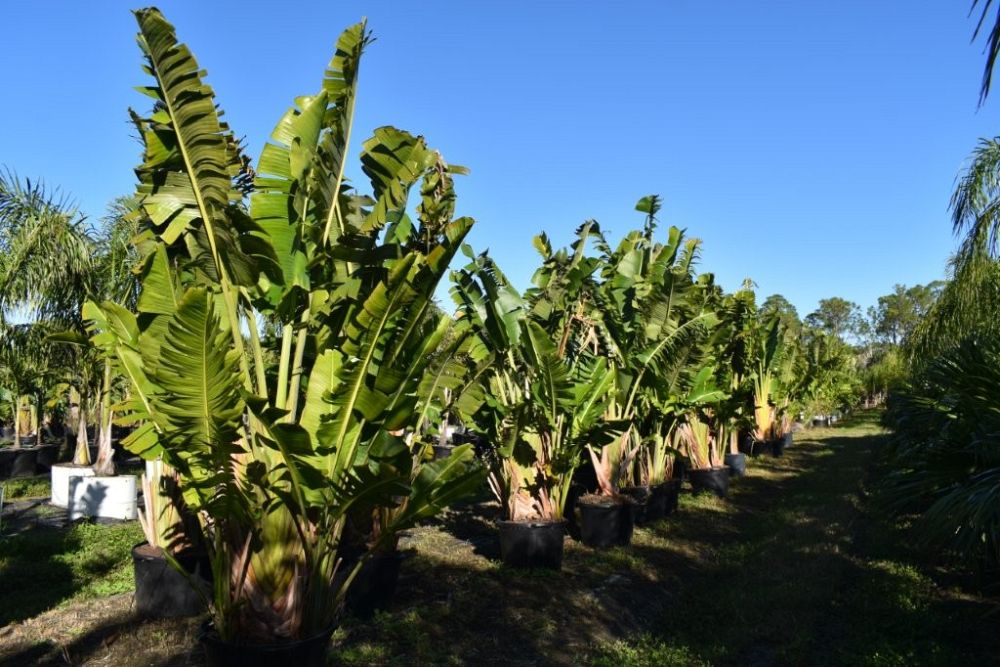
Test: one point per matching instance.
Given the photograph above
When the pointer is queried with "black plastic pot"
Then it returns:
(375, 584)
(680, 469)
(25, 461)
(311, 652)
(7, 457)
(7, 432)
(441, 451)
(606, 522)
(737, 464)
(671, 491)
(163, 592)
(787, 440)
(777, 447)
(532, 543)
(710, 480)
(47, 455)
(648, 506)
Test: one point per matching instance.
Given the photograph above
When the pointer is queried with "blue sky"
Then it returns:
(813, 146)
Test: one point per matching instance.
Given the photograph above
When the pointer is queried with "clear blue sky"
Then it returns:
(813, 146)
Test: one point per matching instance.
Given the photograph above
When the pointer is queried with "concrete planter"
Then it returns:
(60, 481)
(103, 497)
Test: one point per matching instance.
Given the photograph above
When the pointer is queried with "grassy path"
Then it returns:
(796, 568)
(802, 570)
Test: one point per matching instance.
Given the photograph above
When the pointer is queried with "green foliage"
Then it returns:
(658, 318)
(275, 459)
(836, 316)
(945, 449)
(547, 397)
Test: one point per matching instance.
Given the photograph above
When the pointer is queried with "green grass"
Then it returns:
(796, 567)
(44, 567)
(27, 488)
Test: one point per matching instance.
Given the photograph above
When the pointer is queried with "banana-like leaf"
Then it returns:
(199, 407)
(394, 161)
(192, 161)
(439, 484)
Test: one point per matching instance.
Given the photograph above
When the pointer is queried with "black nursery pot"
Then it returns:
(311, 652)
(710, 480)
(787, 440)
(670, 491)
(532, 543)
(680, 469)
(163, 592)
(7, 457)
(778, 447)
(441, 451)
(47, 455)
(644, 511)
(737, 464)
(607, 522)
(375, 584)
(25, 462)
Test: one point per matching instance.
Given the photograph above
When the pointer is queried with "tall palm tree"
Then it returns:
(51, 262)
(44, 244)
(45, 251)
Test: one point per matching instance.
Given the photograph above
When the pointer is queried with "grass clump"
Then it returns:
(27, 488)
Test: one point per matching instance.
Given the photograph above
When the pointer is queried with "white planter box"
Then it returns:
(60, 481)
(103, 497)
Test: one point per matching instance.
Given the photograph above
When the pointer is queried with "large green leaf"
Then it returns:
(191, 158)
(198, 403)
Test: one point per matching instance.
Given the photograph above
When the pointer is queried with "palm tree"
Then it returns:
(993, 42)
(45, 257)
(51, 262)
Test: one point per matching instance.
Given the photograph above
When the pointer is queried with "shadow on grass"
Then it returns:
(34, 576)
(792, 580)
(777, 574)
(794, 568)
(123, 640)
(44, 566)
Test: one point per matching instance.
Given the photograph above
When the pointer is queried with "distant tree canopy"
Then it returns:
(897, 315)
(836, 316)
(783, 308)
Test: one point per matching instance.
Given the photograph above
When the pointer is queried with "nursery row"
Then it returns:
(268, 337)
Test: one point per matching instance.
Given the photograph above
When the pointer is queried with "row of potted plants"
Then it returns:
(287, 375)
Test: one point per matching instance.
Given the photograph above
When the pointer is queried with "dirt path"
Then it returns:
(793, 569)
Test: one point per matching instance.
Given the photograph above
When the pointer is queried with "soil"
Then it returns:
(599, 500)
(145, 550)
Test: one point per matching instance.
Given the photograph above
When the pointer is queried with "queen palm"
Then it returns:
(52, 262)
(45, 256)
(971, 300)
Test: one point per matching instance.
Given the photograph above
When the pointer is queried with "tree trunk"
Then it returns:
(39, 417)
(22, 420)
(104, 464)
(81, 456)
